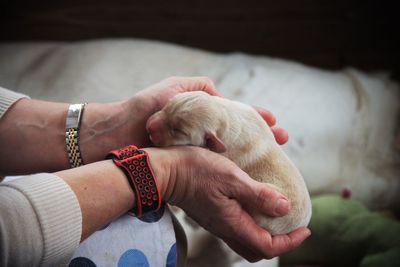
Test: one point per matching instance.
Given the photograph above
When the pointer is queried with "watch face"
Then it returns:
(74, 116)
(75, 109)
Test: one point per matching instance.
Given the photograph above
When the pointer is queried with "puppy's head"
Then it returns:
(187, 119)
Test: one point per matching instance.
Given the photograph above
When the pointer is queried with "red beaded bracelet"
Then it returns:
(136, 166)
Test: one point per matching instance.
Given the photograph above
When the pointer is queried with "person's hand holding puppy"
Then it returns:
(215, 193)
(204, 183)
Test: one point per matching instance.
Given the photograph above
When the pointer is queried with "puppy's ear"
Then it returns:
(214, 143)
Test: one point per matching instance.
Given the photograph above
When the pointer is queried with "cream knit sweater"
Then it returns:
(40, 217)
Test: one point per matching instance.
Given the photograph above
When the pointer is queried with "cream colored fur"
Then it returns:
(189, 118)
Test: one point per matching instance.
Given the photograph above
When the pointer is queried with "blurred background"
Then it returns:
(322, 33)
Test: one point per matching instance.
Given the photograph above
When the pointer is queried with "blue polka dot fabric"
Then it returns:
(153, 216)
(81, 262)
(133, 258)
(130, 242)
(171, 258)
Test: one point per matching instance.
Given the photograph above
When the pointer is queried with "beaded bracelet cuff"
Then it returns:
(136, 166)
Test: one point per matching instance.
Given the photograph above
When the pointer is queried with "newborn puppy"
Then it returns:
(238, 132)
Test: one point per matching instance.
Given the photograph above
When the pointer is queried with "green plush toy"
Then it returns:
(345, 233)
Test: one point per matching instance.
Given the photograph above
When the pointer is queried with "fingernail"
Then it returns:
(282, 206)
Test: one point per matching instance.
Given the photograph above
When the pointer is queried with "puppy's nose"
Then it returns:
(156, 139)
(151, 125)
(154, 127)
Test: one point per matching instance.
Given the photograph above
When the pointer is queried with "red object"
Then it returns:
(346, 193)
(135, 164)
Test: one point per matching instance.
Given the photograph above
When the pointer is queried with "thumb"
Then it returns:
(265, 199)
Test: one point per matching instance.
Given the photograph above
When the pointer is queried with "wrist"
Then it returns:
(109, 126)
(161, 162)
(104, 127)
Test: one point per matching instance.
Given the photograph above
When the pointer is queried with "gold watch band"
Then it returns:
(72, 124)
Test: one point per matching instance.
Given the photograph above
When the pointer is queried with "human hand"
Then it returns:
(216, 194)
(157, 95)
(109, 126)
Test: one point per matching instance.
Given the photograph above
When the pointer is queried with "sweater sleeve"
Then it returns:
(40, 222)
(7, 98)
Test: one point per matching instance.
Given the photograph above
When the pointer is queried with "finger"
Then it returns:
(257, 241)
(284, 243)
(261, 198)
(267, 116)
(204, 84)
(281, 135)
(250, 236)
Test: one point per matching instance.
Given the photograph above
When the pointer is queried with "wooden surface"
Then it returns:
(329, 34)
